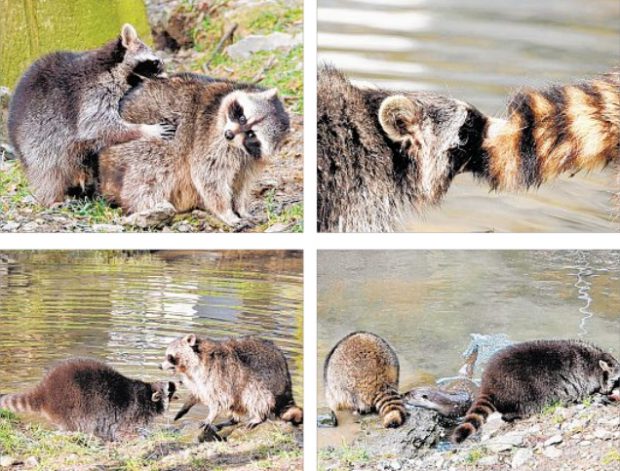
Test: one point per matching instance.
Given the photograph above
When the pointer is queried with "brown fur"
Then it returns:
(90, 397)
(361, 374)
(199, 168)
(239, 378)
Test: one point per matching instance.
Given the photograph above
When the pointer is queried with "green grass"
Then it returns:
(475, 455)
(612, 456)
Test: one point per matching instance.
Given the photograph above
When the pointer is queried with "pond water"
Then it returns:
(125, 308)
(481, 51)
(427, 304)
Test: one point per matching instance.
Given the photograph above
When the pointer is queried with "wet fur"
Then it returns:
(522, 379)
(245, 379)
(88, 396)
(361, 374)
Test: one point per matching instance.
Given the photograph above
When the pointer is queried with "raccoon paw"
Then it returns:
(168, 131)
(158, 131)
(209, 434)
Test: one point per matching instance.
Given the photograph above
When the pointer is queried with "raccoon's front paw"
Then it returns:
(158, 131)
(209, 434)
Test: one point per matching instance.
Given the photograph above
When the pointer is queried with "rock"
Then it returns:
(11, 226)
(279, 227)
(488, 461)
(161, 214)
(553, 440)
(505, 442)
(552, 452)
(31, 226)
(325, 418)
(521, 457)
(602, 434)
(31, 462)
(244, 48)
(7, 461)
(183, 227)
(107, 228)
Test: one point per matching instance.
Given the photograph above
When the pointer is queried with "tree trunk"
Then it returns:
(32, 28)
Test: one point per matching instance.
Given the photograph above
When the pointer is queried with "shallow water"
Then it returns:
(427, 304)
(126, 308)
(480, 51)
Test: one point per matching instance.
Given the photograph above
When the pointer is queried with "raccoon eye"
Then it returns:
(242, 120)
(172, 360)
(250, 134)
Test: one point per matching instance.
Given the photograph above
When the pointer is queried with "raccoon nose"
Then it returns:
(229, 135)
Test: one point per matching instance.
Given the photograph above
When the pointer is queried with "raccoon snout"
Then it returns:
(229, 135)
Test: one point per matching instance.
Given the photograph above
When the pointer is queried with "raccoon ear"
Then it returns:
(271, 93)
(156, 397)
(172, 388)
(396, 114)
(128, 35)
(191, 340)
(604, 366)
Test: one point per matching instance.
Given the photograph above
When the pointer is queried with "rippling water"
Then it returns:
(480, 51)
(428, 303)
(124, 308)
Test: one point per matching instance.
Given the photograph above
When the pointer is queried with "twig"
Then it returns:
(227, 35)
(261, 75)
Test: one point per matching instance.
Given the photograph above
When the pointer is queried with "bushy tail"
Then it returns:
(389, 404)
(293, 414)
(476, 416)
(18, 403)
(552, 131)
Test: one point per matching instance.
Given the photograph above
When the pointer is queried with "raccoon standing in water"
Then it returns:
(65, 110)
(382, 154)
(524, 378)
(225, 130)
(245, 377)
(83, 395)
(361, 374)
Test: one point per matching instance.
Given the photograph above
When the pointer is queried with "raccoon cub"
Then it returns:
(382, 154)
(245, 377)
(84, 395)
(65, 109)
(361, 374)
(225, 130)
(522, 379)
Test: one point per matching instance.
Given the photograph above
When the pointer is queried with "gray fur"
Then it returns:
(65, 110)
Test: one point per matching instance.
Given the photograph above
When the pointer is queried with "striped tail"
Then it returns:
(18, 403)
(389, 405)
(552, 131)
(476, 416)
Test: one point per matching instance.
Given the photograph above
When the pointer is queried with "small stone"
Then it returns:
(505, 442)
(107, 228)
(552, 452)
(279, 227)
(7, 461)
(31, 462)
(602, 434)
(30, 227)
(521, 457)
(554, 440)
(184, 227)
(585, 443)
(490, 460)
(11, 226)
(159, 215)
(244, 48)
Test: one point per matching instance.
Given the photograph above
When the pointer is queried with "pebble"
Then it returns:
(505, 442)
(521, 457)
(31, 462)
(107, 228)
(11, 226)
(490, 460)
(31, 226)
(552, 452)
(7, 461)
(244, 48)
(554, 440)
(183, 227)
(279, 227)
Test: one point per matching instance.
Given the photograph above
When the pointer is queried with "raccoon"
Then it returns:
(361, 374)
(84, 395)
(65, 109)
(522, 379)
(225, 130)
(245, 377)
(382, 154)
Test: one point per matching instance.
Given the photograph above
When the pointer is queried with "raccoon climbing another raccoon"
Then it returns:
(382, 154)
(522, 379)
(361, 374)
(65, 109)
(225, 131)
(239, 378)
(88, 396)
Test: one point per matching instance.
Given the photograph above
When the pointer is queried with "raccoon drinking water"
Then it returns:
(361, 374)
(88, 396)
(225, 131)
(523, 378)
(382, 154)
(240, 378)
(65, 110)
